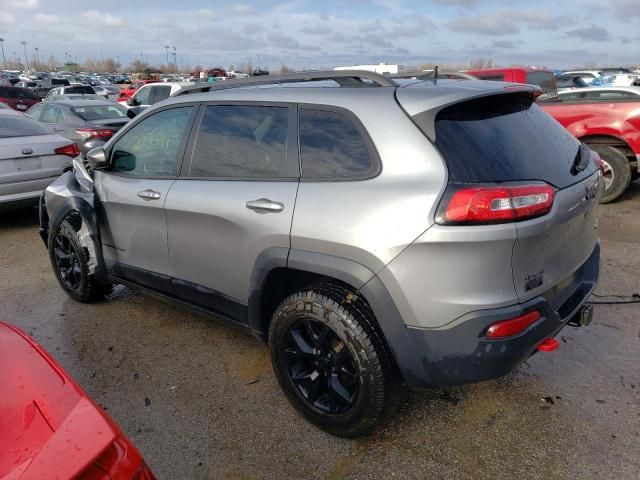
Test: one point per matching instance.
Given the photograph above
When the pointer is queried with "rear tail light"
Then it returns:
(94, 132)
(70, 150)
(509, 328)
(548, 345)
(495, 204)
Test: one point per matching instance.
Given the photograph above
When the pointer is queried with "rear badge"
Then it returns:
(27, 151)
(533, 281)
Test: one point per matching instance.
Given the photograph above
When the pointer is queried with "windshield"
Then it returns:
(18, 126)
(100, 112)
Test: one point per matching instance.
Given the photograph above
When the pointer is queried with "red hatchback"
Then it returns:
(18, 98)
(49, 427)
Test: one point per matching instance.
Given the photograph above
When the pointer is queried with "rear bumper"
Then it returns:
(18, 194)
(462, 354)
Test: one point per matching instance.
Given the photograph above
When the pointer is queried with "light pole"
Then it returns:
(166, 49)
(118, 64)
(66, 57)
(4, 60)
(37, 59)
(26, 57)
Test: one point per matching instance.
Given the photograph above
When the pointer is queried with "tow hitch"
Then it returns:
(583, 317)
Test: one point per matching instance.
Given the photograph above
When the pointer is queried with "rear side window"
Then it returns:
(51, 115)
(100, 112)
(19, 126)
(332, 146)
(241, 141)
(504, 138)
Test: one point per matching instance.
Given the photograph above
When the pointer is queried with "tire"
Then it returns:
(617, 172)
(332, 362)
(69, 259)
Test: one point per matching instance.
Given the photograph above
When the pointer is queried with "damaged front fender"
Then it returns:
(73, 192)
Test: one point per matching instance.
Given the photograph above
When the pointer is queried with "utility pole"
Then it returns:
(26, 57)
(175, 64)
(4, 60)
(37, 59)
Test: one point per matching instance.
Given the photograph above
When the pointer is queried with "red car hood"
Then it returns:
(46, 420)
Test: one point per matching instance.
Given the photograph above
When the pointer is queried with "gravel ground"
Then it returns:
(200, 400)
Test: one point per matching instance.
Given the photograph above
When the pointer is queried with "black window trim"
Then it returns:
(376, 164)
(291, 156)
(181, 147)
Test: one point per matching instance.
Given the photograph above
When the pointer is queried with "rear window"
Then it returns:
(100, 112)
(17, 92)
(18, 126)
(79, 89)
(504, 138)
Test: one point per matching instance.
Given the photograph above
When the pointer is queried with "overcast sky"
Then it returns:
(328, 33)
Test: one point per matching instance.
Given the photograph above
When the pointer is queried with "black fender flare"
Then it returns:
(365, 281)
(66, 195)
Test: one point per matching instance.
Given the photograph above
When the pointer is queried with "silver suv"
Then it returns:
(430, 232)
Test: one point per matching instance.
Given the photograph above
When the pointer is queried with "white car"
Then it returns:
(617, 80)
(587, 75)
(31, 157)
(600, 93)
(152, 93)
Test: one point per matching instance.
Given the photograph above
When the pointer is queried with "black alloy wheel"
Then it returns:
(67, 262)
(321, 367)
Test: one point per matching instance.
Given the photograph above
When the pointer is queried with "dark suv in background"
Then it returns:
(18, 98)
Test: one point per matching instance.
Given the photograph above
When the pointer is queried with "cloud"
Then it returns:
(503, 44)
(316, 30)
(103, 19)
(281, 40)
(625, 9)
(46, 19)
(206, 14)
(242, 9)
(505, 22)
(592, 33)
(22, 4)
(455, 3)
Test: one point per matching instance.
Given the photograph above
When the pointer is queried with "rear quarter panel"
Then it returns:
(372, 221)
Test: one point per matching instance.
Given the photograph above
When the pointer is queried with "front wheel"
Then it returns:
(70, 262)
(331, 361)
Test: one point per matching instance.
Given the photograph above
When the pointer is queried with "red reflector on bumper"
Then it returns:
(508, 328)
(548, 345)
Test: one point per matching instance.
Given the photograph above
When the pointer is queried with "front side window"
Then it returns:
(331, 146)
(241, 141)
(35, 111)
(151, 147)
(142, 96)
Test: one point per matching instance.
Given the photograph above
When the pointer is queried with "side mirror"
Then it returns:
(97, 158)
(132, 102)
(133, 111)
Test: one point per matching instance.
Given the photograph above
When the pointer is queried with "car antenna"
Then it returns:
(435, 72)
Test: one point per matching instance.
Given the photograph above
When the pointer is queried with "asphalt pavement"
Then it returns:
(200, 400)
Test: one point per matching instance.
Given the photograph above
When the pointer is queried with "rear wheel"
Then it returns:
(70, 261)
(331, 362)
(617, 172)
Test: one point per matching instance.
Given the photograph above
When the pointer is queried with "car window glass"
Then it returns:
(150, 148)
(161, 93)
(142, 96)
(241, 141)
(51, 114)
(332, 146)
(35, 111)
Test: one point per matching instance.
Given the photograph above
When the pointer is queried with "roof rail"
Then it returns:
(345, 78)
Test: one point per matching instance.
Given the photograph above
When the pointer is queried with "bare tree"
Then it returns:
(285, 69)
(138, 66)
(110, 65)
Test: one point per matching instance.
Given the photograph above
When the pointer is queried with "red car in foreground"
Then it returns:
(49, 427)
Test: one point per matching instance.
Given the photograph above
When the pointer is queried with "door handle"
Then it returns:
(264, 205)
(149, 195)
